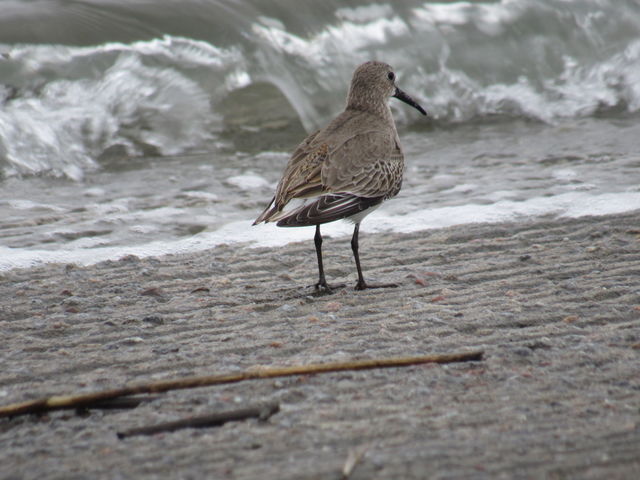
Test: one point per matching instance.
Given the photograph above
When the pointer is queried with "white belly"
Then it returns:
(357, 218)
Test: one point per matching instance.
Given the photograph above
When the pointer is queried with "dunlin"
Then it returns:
(348, 168)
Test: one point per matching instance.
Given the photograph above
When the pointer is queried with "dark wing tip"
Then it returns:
(266, 213)
(328, 208)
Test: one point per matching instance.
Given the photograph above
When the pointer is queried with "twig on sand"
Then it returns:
(58, 402)
(120, 403)
(263, 412)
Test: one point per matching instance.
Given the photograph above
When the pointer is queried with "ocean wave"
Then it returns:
(68, 109)
(69, 106)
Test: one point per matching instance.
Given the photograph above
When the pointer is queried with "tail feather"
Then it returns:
(267, 213)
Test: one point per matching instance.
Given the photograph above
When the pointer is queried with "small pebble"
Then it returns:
(154, 319)
(286, 308)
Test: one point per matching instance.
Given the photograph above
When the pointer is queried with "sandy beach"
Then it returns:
(554, 304)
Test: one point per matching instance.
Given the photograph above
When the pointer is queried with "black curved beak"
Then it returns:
(400, 95)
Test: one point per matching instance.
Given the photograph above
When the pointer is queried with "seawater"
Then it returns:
(131, 129)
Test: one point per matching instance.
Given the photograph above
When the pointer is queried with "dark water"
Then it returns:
(124, 123)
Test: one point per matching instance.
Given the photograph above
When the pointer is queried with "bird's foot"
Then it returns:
(323, 288)
(362, 285)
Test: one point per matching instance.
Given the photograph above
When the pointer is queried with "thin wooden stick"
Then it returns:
(121, 403)
(263, 412)
(57, 402)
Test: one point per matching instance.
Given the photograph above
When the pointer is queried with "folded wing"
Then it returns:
(337, 180)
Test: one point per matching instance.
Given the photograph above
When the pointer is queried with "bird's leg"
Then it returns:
(322, 282)
(361, 285)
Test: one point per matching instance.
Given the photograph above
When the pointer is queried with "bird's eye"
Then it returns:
(391, 76)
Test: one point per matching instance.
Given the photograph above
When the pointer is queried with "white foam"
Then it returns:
(144, 228)
(571, 204)
(564, 174)
(356, 35)
(463, 188)
(200, 195)
(248, 181)
(365, 13)
(94, 192)
(488, 18)
(501, 195)
(21, 204)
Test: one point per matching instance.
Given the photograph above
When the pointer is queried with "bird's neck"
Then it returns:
(379, 109)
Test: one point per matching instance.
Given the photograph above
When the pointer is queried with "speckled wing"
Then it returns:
(302, 177)
(298, 178)
(369, 164)
(355, 176)
(362, 170)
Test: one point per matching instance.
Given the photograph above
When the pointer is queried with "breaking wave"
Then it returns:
(166, 80)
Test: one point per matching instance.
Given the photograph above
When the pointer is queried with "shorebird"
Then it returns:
(346, 169)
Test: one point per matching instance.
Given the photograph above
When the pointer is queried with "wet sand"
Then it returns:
(555, 305)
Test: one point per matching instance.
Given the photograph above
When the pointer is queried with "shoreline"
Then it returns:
(241, 233)
(555, 305)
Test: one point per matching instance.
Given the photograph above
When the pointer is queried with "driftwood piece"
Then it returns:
(263, 412)
(120, 403)
(85, 400)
